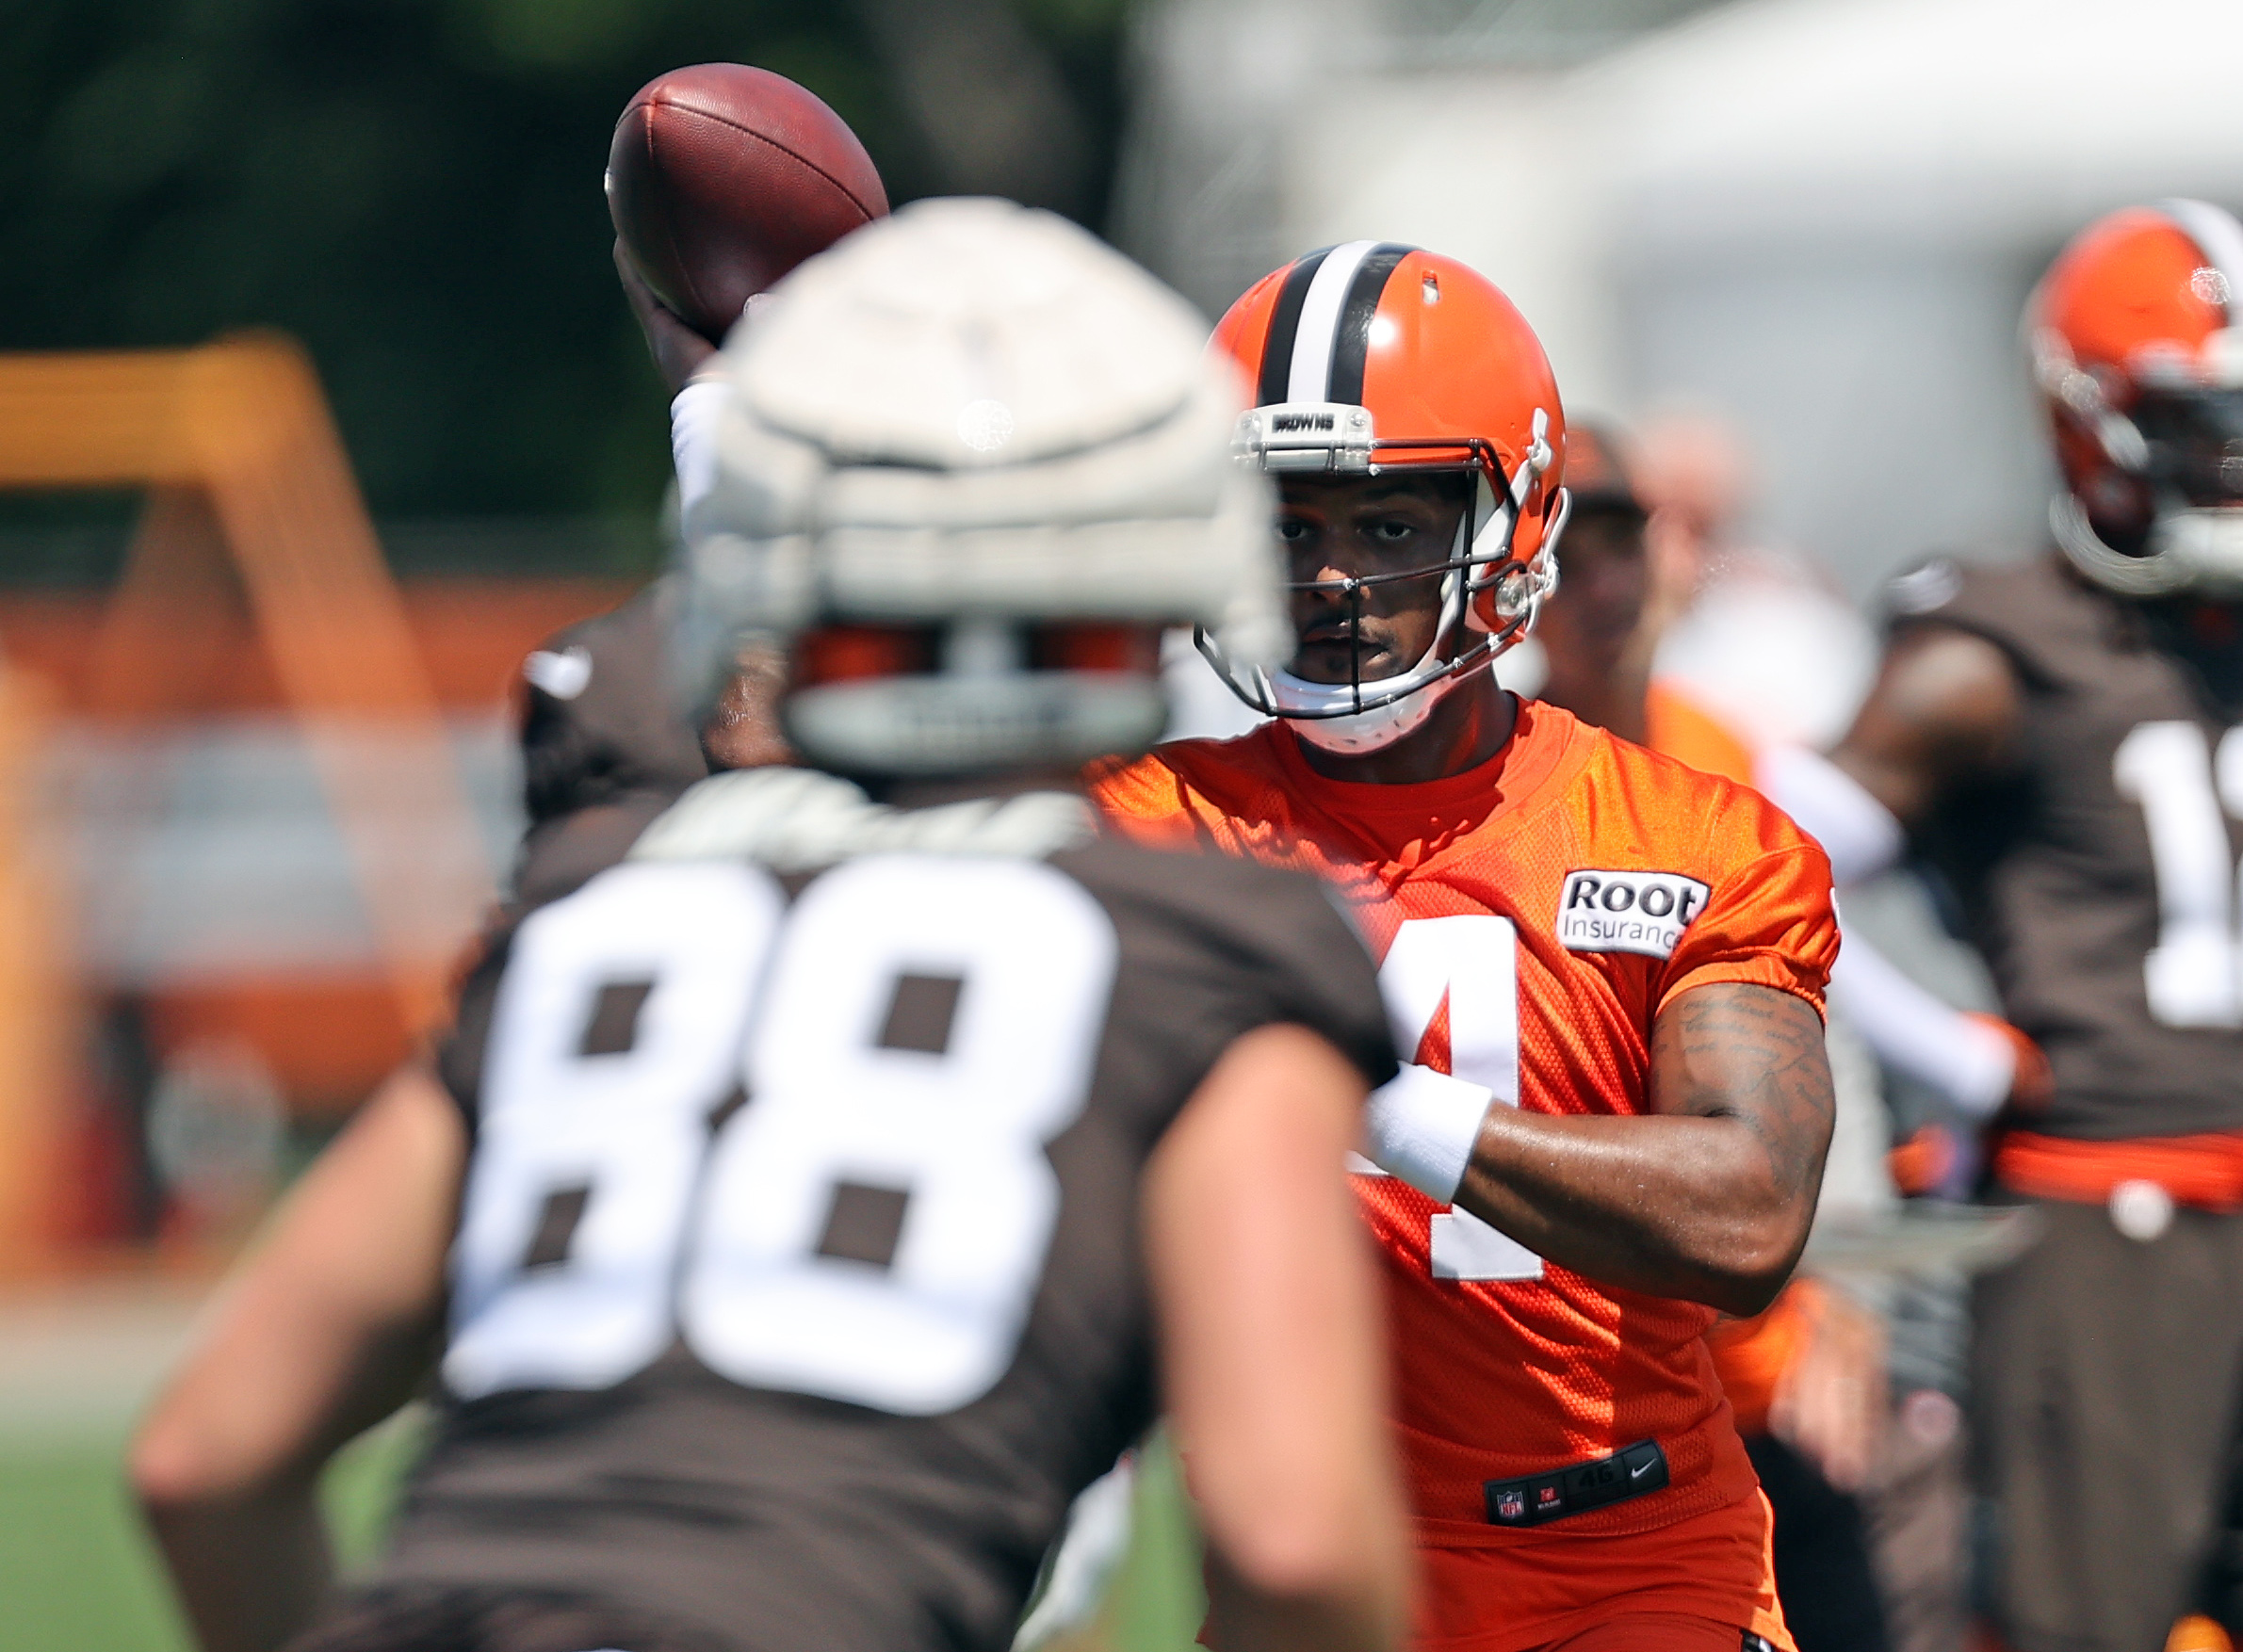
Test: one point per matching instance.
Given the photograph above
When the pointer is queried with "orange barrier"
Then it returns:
(36, 1028)
(251, 503)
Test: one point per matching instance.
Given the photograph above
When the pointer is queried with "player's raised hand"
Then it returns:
(679, 352)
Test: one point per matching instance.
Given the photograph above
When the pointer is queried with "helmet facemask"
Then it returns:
(2136, 348)
(2167, 486)
(977, 693)
(1484, 588)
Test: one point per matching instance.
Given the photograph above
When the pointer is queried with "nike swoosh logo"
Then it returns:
(1642, 1469)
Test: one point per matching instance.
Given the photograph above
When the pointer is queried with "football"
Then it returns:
(723, 177)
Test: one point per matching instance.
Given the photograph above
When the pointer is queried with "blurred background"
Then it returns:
(320, 408)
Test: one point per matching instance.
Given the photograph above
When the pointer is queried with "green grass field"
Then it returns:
(77, 1575)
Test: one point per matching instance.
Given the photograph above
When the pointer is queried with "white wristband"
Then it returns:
(1916, 1033)
(1857, 831)
(1421, 1126)
(694, 414)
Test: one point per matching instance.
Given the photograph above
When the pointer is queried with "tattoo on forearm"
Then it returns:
(1755, 1055)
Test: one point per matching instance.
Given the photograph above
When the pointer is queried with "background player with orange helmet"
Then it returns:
(2058, 734)
(1607, 970)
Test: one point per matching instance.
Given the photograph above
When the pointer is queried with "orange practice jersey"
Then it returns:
(1533, 916)
(1676, 726)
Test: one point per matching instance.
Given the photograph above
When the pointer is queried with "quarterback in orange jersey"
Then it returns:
(1606, 969)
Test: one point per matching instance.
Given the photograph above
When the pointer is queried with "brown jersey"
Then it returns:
(600, 727)
(2098, 876)
(798, 1284)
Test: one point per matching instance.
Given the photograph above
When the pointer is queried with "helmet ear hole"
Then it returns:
(1512, 596)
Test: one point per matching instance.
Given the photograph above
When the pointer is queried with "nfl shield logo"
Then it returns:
(1510, 1505)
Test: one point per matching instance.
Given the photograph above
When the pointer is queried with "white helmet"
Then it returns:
(966, 454)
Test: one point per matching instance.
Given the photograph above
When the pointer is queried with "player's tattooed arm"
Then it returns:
(1946, 705)
(1709, 1197)
(1757, 1055)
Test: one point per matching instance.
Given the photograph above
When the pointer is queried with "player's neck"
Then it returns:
(1467, 728)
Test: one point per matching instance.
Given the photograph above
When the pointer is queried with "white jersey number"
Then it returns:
(1472, 964)
(872, 1224)
(2194, 974)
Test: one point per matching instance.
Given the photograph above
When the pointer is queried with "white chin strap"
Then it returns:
(2198, 550)
(1377, 727)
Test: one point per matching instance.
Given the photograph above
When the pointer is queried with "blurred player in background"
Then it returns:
(1806, 1377)
(1596, 636)
(1607, 967)
(817, 1179)
(2058, 734)
(1743, 644)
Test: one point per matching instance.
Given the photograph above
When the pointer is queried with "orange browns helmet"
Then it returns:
(1371, 357)
(2137, 340)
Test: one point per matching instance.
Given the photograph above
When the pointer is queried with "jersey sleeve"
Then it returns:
(1216, 947)
(1320, 975)
(1768, 919)
(1141, 800)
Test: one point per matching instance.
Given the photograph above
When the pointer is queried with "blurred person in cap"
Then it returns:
(1606, 969)
(790, 1222)
(1811, 1449)
(2059, 734)
(1752, 632)
(1806, 1376)
(1597, 633)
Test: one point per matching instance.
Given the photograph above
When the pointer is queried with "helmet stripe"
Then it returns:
(1285, 320)
(1352, 347)
(1312, 377)
(2220, 238)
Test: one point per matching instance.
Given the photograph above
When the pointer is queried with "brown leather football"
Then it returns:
(723, 177)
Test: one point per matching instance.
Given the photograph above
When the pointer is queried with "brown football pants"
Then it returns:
(2106, 1392)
